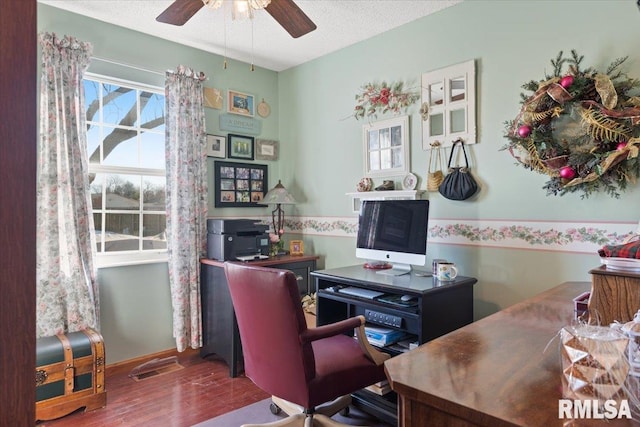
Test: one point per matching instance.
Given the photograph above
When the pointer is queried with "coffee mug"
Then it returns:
(447, 271)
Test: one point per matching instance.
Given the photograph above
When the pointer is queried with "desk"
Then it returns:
(439, 308)
(493, 372)
(219, 328)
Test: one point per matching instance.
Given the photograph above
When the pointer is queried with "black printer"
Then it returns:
(233, 239)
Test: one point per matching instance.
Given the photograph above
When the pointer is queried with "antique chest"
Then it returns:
(69, 374)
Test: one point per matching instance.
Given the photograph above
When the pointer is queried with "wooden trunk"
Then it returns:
(69, 374)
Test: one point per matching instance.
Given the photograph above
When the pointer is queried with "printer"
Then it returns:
(233, 239)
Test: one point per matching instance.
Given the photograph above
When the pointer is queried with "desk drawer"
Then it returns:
(302, 271)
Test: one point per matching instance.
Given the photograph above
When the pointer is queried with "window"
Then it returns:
(386, 147)
(126, 150)
(449, 105)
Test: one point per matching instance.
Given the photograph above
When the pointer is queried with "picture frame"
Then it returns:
(213, 98)
(296, 247)
(240, 147)
(266, 149)
(240, 103)
(216, 146)
(239, 184)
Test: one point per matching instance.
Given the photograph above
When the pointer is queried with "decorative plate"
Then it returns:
(264, 109)
(409, 182)
(614, 263)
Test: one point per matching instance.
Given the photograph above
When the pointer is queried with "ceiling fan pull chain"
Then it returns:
(252, 50)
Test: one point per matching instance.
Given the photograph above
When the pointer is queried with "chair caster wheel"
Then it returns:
(344, 411)
(275, 409)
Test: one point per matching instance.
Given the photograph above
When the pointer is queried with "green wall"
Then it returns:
(321, 149)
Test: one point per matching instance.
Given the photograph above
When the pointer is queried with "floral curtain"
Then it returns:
(186, 201)
(67, 290)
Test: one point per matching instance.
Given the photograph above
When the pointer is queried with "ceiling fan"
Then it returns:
(285, 12)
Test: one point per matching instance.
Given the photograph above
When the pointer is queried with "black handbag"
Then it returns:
(458, 184)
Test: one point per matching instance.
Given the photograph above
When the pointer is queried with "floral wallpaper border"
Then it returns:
(579, 237)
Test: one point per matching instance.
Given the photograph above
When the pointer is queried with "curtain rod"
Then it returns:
(110, 61)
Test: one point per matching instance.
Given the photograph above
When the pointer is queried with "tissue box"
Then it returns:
(594, 362)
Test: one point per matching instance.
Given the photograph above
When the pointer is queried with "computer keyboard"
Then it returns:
(359, 292)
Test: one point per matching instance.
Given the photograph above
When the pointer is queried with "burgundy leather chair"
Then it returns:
(298, 366)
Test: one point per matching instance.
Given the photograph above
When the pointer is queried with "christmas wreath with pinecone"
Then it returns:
(579, 127)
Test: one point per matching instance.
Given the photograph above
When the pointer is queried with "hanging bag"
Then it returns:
(435, 176)
(458, 184)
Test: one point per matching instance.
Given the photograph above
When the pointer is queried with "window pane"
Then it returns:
(152, 150)
(436, 93)
(374, 144)
(385, 138)
(151, 110)
(436, 125)
(120, 147)
(154, 231)
(119, 105)
(154, 193)
(92, 100)
(95, 183)
(396, 136)
(97, 221)
(121, 232)
(123, 192)
(385, 159)
(374, 160)
(396, 158)
(457, 89)
(457, 121)
(94, 139)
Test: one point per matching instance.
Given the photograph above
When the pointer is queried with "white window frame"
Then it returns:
(402, 150)
(123, 258)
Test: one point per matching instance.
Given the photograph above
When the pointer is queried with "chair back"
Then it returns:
(270, 319)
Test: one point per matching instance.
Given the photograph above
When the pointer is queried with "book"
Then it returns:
(383, 336)
(379, 390)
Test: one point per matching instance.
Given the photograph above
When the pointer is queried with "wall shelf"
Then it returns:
(357, 197)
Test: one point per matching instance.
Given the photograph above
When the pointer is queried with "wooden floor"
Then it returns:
(200, 391)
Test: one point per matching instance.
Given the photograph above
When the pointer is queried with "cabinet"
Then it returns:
(437, 308)
(358, 197)
(615, 295)
(220, 334)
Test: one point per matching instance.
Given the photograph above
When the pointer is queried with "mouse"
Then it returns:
(406, 298)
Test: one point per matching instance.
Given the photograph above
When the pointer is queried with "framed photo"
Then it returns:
(240, 147)
(213, 98)
(296, 247)
(240, 103)
(239, 184)
(266, 149)
(216, 146)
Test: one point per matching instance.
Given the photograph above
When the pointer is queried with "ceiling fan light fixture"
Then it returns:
(213, 4)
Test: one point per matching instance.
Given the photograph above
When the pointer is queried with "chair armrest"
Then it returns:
(325, 331)
(376, 356)
(357, 323)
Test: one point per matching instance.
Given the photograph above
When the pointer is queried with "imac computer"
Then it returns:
(392, 235)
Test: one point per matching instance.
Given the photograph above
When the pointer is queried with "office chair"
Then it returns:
(301, 368)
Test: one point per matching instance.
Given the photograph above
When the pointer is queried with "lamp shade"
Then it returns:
(279, 195)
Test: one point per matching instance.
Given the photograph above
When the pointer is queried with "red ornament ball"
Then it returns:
(566, 81)
(567, 172)
(621, 146)
(524, 131)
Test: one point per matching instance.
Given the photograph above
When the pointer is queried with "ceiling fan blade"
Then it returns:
(180, 12)
(290, 17)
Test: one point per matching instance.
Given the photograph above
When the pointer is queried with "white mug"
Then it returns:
(446, 271)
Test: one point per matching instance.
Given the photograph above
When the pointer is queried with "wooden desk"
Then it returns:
(219, 328)
(497, 371)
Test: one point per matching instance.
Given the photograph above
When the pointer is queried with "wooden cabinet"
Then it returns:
(220, 334)
(615, 295)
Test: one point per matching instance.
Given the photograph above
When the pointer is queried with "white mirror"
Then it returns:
(386, 147)
(448, 97)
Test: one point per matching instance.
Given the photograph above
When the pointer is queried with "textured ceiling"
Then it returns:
(340, 23)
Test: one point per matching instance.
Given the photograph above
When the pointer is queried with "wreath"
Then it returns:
(377, 98)
(580, 127)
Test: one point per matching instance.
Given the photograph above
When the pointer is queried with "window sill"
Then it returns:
(123, 260)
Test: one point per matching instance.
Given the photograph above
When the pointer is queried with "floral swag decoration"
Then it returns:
(581, 128)
(380, 98)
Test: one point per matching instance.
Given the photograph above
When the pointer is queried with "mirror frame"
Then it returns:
(444, 76)
(403, 123)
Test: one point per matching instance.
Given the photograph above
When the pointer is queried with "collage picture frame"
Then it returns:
(240, 184)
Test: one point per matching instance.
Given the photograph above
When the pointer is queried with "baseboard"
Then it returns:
(125, 366)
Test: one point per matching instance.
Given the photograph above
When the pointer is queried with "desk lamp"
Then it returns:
(279, 196)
